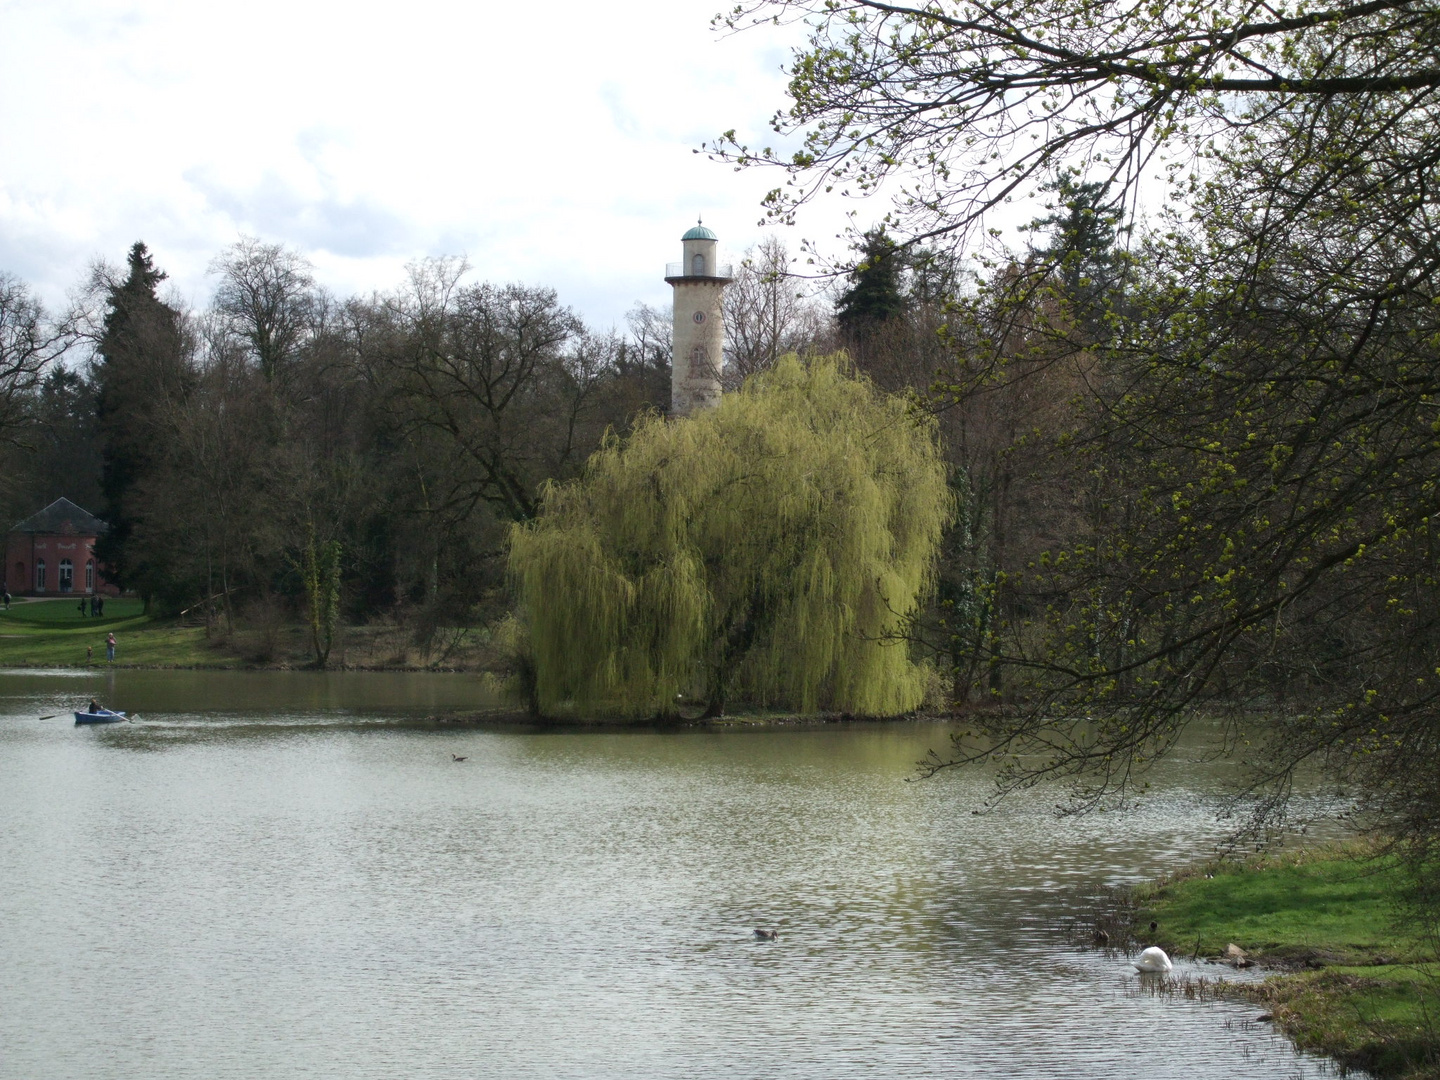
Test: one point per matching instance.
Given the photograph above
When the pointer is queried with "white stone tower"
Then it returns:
(699, 284)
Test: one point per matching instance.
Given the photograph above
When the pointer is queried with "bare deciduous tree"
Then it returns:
(494, 372)
(652, 334)
(266, 295)
(769, 311)
(29, 341)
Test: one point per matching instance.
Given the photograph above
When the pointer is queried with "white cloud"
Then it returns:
(549, 144)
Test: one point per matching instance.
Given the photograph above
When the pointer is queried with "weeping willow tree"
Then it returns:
(769, 551)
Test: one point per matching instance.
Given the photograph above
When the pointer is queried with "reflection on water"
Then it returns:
(280, 891)
(257, 694)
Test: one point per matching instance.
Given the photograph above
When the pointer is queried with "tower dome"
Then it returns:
(699, 232)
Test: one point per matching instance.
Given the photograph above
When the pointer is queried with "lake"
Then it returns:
(284, 875)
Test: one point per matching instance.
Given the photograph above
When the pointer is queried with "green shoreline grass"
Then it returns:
(1356, 985)
(53, 634)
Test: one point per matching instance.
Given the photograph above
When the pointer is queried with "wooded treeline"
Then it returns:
(411, 427)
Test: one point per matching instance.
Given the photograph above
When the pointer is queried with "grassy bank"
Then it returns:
(53, 633)
(1354, 982)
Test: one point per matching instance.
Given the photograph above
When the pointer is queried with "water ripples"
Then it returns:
(294, 899)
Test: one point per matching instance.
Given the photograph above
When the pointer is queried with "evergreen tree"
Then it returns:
(875, 295)
(1082, 228)
(142, 368)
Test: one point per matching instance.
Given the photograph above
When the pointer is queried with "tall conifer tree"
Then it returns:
(874, 295)
(142, 367)
(1082, 228)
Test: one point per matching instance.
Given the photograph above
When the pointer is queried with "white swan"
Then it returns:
(1153, 960)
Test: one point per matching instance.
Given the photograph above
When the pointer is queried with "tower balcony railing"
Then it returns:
(678, 269)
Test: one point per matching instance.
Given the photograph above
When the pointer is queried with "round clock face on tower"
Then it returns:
(699, 317)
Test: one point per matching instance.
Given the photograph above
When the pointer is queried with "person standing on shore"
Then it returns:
(110, 647)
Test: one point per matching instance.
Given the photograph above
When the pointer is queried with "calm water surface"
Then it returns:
(263, 878)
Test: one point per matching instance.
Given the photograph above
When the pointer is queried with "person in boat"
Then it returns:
(94, 708)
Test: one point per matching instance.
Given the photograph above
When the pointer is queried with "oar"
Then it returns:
(51, 716)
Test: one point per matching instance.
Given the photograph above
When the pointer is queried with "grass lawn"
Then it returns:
(1336, 907)
(1368, 992)
(63, 614)
(1382, 1019)
(53, 633)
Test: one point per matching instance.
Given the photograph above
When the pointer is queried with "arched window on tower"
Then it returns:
(697, 265)
(39, 575)
(701, 366)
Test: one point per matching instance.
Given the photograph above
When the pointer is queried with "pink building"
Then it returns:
(53, 553)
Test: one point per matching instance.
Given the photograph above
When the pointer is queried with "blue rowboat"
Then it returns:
(104, 716)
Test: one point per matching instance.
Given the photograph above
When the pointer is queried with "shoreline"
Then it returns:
(1342, 976)
(736, 723)
(510, 716)
(50, 634)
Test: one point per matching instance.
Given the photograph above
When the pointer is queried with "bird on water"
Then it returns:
(1153, 960)
(767, 935)
(459, 757)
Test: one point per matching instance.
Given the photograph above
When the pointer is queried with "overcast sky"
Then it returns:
(549, 143)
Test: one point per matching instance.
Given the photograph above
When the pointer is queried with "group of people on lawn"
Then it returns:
(97, 605)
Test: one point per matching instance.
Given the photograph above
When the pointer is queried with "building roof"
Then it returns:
(62, 516)
(699, 232)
